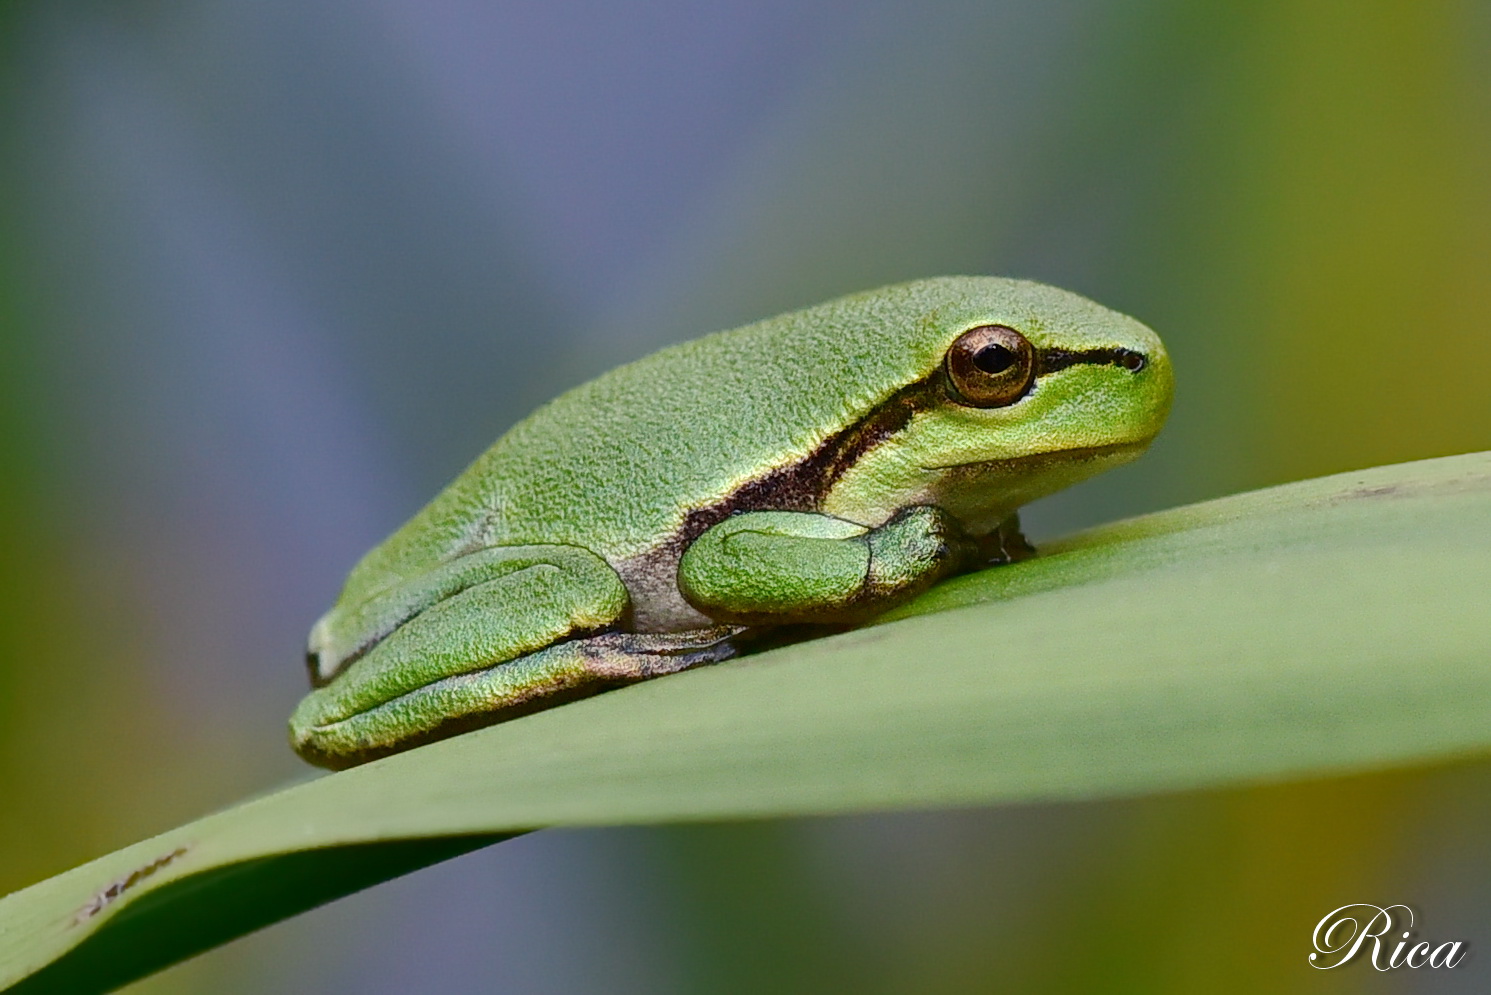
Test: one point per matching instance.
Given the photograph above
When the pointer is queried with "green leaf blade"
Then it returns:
(1333, 625)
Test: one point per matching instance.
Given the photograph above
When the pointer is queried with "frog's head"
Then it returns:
(1021, 389)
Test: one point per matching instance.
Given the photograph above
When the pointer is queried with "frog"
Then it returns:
(804, 473)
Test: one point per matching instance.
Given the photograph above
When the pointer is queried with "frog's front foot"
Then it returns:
(1006, 544)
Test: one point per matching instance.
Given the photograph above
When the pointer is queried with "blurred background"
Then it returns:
(272, 273)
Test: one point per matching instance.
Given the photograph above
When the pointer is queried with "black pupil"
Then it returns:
(994, 359)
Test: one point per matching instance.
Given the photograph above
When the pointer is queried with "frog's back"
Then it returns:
(616, 464)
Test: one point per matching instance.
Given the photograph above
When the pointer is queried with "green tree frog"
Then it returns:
(817, 468)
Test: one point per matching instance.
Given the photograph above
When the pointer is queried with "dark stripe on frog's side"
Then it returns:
(800, 485)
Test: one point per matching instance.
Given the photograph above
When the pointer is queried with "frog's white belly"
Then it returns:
(657, 605)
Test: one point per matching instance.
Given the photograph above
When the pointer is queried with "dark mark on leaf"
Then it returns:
(109, 895)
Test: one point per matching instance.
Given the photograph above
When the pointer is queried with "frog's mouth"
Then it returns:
(1038, 461)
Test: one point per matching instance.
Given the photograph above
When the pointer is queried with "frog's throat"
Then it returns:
(803, 484)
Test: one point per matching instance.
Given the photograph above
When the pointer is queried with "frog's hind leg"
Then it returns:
(540, 593)
(536, 626)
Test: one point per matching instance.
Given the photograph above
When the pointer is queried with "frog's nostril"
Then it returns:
(1131, 360)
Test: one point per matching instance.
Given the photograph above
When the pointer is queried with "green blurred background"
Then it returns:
(271, 273)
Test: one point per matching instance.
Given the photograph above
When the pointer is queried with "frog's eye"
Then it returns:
(990, 366)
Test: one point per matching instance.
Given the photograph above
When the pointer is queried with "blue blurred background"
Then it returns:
(271, 273)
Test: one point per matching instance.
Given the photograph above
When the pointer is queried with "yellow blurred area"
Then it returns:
(1365, 231)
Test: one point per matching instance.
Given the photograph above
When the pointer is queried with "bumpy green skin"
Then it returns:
(635, 524)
